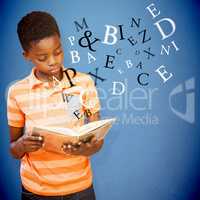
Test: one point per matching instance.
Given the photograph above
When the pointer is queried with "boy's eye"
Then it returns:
(42, 59)
(57, 52)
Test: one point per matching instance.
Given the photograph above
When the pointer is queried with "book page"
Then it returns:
(87, 128)
(99, 132)
(58, 130)
(83, 130)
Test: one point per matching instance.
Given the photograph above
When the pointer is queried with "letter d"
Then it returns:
(122, 87)
(173, 25)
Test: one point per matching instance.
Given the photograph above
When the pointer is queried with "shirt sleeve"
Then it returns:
(15, 116)
(91, 102)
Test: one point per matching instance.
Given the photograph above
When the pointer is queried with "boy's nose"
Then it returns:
(51, 61)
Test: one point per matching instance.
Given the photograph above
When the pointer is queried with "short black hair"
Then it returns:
(36, 26)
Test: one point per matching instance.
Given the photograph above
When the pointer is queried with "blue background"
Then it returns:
(138, 161)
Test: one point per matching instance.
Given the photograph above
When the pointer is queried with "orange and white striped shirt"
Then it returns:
(33, 102)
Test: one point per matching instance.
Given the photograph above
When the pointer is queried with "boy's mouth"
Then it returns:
(54, 70)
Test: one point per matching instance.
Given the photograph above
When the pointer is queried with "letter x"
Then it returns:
(149, 53)
(97, 77)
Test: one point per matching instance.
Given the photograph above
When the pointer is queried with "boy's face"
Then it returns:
(47, 55)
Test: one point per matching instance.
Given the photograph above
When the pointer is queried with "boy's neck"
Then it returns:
(47, 78)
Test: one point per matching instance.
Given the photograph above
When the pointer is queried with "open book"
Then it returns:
(55, 137)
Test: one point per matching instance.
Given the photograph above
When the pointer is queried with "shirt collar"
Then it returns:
(34, 81)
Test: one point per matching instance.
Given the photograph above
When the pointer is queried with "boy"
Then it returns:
(49, 97)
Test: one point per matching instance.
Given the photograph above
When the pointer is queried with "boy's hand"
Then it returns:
(30, 143)
(83, 148)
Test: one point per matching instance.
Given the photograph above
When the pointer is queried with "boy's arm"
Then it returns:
(15, 149)
(20, 144)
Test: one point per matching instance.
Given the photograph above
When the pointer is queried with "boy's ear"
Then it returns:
(26, 55)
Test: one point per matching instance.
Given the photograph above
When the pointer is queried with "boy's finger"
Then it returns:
(94, 140)
(67, 148)
(77, 145)
(36, 143)
(34, 148)
(74, 149)
(35, 138)
(88, 144)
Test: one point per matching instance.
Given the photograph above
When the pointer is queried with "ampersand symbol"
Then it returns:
(87, 41)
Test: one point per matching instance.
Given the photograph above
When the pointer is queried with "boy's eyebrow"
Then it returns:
(44, 54)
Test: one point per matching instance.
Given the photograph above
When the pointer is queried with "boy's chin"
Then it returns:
(55, 72)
